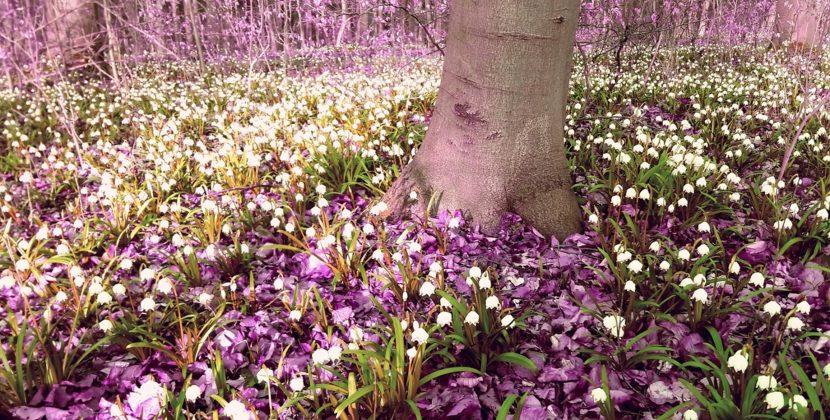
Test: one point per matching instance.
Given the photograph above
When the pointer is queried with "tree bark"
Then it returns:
(70, 31)
(796, 21)
(702, 22)
(495, 141)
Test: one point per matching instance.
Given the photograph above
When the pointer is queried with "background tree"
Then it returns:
(71, 31)
(797, 21)
(495, 142)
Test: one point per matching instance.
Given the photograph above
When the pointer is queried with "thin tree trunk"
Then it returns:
(704, 17)
(194, 30)
(495, 143)
(344, 21)
(112, 44)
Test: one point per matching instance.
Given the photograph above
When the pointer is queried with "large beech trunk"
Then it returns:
(495, 142)
(797, 21)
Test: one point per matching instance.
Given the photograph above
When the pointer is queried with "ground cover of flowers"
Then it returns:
(207, 244)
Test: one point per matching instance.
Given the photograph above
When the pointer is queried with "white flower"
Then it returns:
(444, 318)
(757, 279)
(296, 384)
(21, 265)
(238, 411)
(378, 208)
(126, 264)
(61, 297)
(104, 298)
(105, 325)
(798, 400)
(96, 286)
(264, 375)
(471, 318)
(593, 219)
(704, 227)
(492, 302)
(616, 200)
(320, 356)
(701, 296)
(738, 361)
(795, 324)
(614, 324)
(7, 282)
(119, 289)
(772, 308)
(774, 400)
(766, 382)
(703, 250)
(803, 307)
(734, 267)
(453, 223)
(475, 272)
(507, 321)
(26, 178)
(335, 352)
(629, 286)
(624, 256)
(635, 266)
(295, 315)
(427, 289)
(690, 415)
(147, 304)
(192, 393)
(655, 246)
(147, 274)
(62, 249)
(164, 285)
(205, 298)
(484, 283)
(782, 225)
(445, 303)
(435, 267)
(644, 194)
(665, 265)
(420, 336)
(599, 395)
(684, 255)
(411, 352)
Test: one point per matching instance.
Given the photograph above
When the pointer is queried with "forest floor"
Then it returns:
(194, 244)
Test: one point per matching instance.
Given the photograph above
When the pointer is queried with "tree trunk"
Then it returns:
(495, 142)
(113, 54)
(344, 21)
(702, 22)
(71, 31)
(193, 24)
(796, 21)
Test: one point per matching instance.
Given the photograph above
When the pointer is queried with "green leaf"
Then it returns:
(415, 410)
(516, 359)
(447, 371)
(351, 399)
(504, 410)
